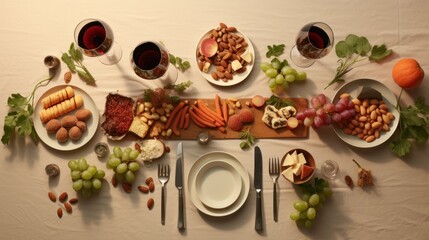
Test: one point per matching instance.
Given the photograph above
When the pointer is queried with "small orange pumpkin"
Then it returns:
(407, 73)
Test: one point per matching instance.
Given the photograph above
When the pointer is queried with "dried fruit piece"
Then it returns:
(364, 177)
(143, 189)
(63, 197)
(60, 212)
(73, 201)
(52, 196)
(349, 181)
(68, 207)
(150, 203)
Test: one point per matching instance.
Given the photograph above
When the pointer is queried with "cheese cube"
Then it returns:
(288, 174)
(289, 161)
(296, 169)
(236, 65)
(247, 56)
(206, 67)
(301, 158)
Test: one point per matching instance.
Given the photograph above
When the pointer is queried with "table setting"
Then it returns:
(192, 120)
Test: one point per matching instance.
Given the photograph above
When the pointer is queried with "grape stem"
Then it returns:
(357, 163)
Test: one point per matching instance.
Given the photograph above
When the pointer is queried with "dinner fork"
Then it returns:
(163, 176)
(274, 169)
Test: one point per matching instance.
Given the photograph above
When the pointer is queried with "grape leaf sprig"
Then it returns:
(74, 60)
(19, 118)
(247, 138)
(355, 49)
(413, 126)
(179, 63)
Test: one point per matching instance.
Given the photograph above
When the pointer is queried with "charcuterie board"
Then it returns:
(258, 128)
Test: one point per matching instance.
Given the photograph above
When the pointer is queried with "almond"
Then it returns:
(150, 203)
(63, 197)
(349, 181)
(148, 180)
(52, 196)
(126, 187)
(60, 212)
(143, 189)
(73, 201)
(68, 207)
(151, 186)
(114, 182)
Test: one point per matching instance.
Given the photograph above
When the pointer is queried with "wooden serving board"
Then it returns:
(258, 128)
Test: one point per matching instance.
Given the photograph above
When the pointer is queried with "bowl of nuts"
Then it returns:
(372, 117)
(225, 56)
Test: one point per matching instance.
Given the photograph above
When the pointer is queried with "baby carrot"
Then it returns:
(173, 113)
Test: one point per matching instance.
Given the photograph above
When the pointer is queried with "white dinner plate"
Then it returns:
(237, 77)
(218, 184)
(354, 88)
(50, 139)
(236, 164)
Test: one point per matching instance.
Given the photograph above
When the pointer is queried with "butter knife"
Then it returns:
(179, 184)
(257, 181)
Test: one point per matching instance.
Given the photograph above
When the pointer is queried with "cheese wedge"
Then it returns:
(289, 161)
(288, 174)
(301, 158)
(297, 168)
(247, 56)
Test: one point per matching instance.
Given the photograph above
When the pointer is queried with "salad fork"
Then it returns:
(274, 170)
(163, 176)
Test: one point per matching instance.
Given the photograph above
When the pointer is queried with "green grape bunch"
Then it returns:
(87, 179)
(124, 164)
(311, 201)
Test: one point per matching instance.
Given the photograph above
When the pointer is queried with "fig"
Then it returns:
(208, 47)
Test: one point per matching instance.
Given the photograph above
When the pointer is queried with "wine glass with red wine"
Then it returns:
(150, 60)
(315, 40)
(95, 38)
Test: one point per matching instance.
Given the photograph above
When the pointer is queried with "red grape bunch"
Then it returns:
(321, 112)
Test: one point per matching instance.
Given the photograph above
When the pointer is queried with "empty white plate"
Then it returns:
(218, 184)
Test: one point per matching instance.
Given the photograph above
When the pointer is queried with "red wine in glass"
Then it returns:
(95, 39)
(314, 41)
(150, 60)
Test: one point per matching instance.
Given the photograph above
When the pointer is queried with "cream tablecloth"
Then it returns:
(396, 208)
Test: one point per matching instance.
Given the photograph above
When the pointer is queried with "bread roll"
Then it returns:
(57, 97)
(61, 108)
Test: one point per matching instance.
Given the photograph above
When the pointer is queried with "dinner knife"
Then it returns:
(179, 184)
(257, 182)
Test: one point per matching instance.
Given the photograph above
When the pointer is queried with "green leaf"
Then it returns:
(418, 133)
(362, 46)
(172, 59)
(343, 50)
(16, 100)
(275, 50)
(378, 53)
(26, 127)
(351, 40)
(69, 62)
(400, 147)
(85, 76)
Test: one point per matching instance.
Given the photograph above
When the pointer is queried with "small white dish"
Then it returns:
(353, 88)
(218, 184)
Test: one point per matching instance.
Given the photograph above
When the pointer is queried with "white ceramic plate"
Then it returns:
(353, 88)
(218, 157)
(238, 77)
(218, 184)
(92, 123)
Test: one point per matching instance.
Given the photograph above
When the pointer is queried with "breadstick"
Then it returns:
(61, 108)
(57, 97)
